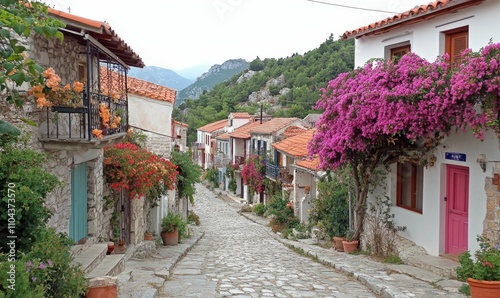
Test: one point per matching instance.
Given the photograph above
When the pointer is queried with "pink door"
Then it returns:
(457, 207)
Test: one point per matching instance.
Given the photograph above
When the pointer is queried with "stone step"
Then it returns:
(91, 257)
(111, 265)
(439, 265)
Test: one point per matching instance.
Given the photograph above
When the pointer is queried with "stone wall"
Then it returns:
(158, 144)
(491, 223)
(65, 58)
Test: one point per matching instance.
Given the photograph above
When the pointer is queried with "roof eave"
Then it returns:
(412, 19)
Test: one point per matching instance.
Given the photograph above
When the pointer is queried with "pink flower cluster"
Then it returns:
(385, 103)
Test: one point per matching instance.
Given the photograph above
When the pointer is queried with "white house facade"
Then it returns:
(444, 206)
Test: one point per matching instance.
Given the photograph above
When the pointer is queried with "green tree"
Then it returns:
(189, 174)
(17, 22)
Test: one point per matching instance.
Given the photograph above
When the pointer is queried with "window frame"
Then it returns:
(413, 190)
(393, 50)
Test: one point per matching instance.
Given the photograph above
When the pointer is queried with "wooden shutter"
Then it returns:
(456, 43)
(397, 53)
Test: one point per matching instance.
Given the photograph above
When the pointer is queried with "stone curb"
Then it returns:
(152, 292)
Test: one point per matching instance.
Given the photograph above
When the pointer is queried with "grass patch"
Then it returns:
(393, 259)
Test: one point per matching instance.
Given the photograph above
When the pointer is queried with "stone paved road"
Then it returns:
(238, 258)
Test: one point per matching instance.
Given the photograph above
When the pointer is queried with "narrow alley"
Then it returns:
(238, 258)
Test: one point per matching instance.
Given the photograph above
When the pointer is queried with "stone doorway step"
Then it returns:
(96, 263)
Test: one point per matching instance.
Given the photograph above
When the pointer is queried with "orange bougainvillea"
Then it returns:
(52, 94)
(129, 166)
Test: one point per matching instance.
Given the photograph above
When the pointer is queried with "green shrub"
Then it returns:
(47, 270)
(212, 177)
(24, 183)
(331, 207)
(193, 218)
(170, 222)
(259, 209)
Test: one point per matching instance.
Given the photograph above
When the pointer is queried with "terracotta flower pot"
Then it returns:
(350, 246)
(337, 243)
(275, 228)
(170, 238)
(483, 289)
(148, 236)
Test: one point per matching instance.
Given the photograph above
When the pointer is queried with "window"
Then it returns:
(456, 41)
(398, 52)
(409, 186)
(82, 72)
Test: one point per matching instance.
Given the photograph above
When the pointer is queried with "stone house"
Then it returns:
(90, 50)
(446, 205)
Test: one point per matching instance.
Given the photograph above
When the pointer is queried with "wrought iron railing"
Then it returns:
(85, 123)
(272, 171)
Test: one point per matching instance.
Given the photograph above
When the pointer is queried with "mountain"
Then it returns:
(283, 87)
(160, 76)
(216, 74)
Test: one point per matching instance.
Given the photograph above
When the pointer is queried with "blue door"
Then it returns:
(78, 219)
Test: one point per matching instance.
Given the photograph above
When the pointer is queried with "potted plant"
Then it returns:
(350, 245)
(482, 272)
(170, 228)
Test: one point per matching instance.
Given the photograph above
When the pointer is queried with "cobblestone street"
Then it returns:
(239, 258)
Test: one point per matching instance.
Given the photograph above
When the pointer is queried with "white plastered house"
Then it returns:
(444, 206)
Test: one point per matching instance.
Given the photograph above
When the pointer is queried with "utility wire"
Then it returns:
(352, 7)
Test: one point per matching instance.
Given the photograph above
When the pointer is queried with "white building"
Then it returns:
(445, 206)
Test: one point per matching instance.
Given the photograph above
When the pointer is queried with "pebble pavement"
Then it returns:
(235, 254)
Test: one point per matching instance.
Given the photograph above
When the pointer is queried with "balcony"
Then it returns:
(273, 171)
(85, 126)
(73, 127)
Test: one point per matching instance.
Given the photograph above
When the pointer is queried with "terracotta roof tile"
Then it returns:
(150, 90)
(295, 146)
(224, 136)
(293, 131)
(312, 164)
(211, 127)
(180, 123)
(240, 115)
(103, 32)
(272, 125)
(417, 14)
(139, 87)
(243, 132)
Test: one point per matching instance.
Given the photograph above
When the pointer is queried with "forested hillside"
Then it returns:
(286, 87)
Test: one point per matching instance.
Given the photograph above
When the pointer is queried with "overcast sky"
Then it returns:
(179, 34)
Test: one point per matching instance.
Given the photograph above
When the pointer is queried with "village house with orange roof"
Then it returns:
(239, 142)
(299, 184)
(447, 204)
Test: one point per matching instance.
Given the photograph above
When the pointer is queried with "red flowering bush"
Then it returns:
(128, 166)
(253, 174)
